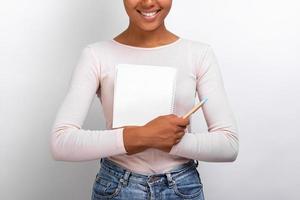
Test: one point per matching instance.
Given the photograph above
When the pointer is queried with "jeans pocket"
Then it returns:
(188, 185)
(106, 186)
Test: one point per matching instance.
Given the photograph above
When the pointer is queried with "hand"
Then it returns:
(164, 131)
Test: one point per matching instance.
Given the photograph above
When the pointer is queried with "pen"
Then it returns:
(195, 108)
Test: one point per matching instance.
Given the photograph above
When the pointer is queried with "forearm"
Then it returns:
(74, 144)
(219, 146)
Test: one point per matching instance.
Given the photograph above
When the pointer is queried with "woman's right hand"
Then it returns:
(164, 131)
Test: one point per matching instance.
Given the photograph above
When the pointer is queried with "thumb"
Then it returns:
(183, 121)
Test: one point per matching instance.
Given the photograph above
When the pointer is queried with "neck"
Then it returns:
(133, 35)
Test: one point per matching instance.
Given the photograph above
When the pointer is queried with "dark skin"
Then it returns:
(163, 131)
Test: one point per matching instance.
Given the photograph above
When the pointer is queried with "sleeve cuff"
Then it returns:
(120, 141)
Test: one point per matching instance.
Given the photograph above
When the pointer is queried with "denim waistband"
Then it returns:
(124, 173)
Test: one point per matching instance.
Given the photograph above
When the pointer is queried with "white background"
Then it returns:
(256, 42)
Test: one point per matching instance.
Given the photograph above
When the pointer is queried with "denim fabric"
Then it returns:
(115, 182)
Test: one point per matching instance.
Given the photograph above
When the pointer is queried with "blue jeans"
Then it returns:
(115, 182)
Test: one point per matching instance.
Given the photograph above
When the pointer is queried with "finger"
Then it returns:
(180, 135)
(184, 127)
(177, 141)
(171, 115)
(181, 121)
(179, 129)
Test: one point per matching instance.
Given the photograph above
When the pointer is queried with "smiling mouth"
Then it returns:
(149, 14)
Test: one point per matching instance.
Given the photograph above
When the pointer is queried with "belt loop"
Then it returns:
(197, 163)
(125, 178)
(171, 182)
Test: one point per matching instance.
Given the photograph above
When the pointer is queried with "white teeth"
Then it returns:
(150, 14)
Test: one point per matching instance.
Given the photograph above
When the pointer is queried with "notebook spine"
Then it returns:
(115, 97)
(172, 109)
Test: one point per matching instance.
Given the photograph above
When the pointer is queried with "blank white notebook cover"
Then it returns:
(142, 93)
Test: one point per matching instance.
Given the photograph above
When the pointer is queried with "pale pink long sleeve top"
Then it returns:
(198, 74)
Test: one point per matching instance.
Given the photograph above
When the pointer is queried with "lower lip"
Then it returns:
(149, 18)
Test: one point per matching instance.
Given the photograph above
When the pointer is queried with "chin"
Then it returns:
(148, 27)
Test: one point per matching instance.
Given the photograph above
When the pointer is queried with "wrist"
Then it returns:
(141, 135)
(133, 139)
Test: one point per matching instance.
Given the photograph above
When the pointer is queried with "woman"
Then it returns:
(158, 160)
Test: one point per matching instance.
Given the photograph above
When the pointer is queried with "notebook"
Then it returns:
(142, 93)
